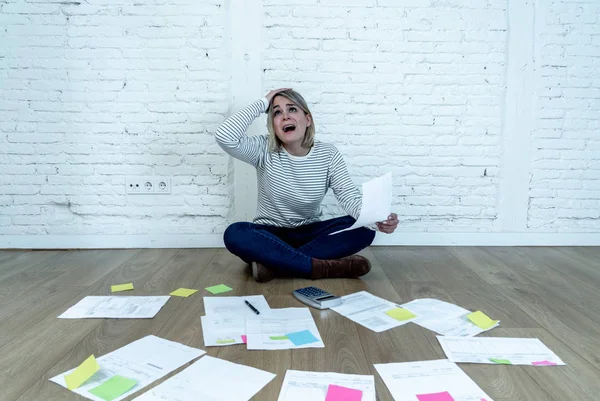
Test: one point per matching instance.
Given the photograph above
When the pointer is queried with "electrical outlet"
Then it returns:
(145, 185)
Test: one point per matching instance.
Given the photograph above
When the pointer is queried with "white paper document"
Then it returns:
(407, 380)
(369, 310)
(302, 386)
(498, 350)
(235, 305)
(211, 379)
(270, 330)
(145, 360)
(120, 307)
(376, 202)
(219, 331)
(444, 318)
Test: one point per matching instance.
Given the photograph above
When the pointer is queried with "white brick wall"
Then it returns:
(93, 92)
(97, 91)
(565, 170)
(405, 86)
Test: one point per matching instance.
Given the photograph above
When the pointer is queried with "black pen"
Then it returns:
(252, 307)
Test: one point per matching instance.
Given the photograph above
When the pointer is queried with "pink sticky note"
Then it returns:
(339, 393)
(445, 396)
(544, 363)
(244, 339)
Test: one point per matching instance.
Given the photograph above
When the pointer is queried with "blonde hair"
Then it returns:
(296, 98)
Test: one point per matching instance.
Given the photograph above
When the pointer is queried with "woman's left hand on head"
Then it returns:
(388, 226)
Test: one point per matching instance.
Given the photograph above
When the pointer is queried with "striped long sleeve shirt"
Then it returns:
(290, 188)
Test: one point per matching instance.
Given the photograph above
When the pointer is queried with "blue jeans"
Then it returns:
(289, 251)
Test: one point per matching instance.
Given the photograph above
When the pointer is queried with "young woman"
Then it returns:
(294, 173)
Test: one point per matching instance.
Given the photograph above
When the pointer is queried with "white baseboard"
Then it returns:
(216, 240)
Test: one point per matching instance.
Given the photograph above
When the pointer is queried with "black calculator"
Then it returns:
(317, 298)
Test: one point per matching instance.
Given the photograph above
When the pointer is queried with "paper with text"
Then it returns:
(302, 386)
(444, 318)
(221, 330)
(116, 307)
(406, 380)
(518, 351)
(210, 379)
(145, 361)
(369, 311)
(235, 305)
(269, 330)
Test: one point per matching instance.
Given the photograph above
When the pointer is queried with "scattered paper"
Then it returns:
(443, 318)
(211, 379)
(482, 320)
(515, 351)
(220, 330)
(183, 292)
(278, 323)
(82, 373)
(218, 289)
(121, 287)
(376, 202)
(369, 311)
(119, 307)
(340, 393)
(235, 305)
(420, 380)
(315, 386)
(113, 387)
(145, 360)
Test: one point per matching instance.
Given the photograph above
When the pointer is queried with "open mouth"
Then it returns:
(288, 128)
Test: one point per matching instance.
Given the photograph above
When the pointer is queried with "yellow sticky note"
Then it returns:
(121, 287)
(82, 373)
(481, 320)
(400, 314)
(183, 292)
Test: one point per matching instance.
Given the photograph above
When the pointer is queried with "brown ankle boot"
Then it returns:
(348, 267)
(261, 274)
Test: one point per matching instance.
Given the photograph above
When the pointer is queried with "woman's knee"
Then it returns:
(234, 235)
(368, 235)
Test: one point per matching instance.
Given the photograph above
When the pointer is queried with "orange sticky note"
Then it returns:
(121, 287)
(82, 373)
(481, 320)
(400, 314)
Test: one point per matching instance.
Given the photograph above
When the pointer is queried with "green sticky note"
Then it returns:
(82, 373)
(229, 341)
(183, 292)
(501, 361)
(113, 387)
(481, 320)
(278, 338)
(400, 314)
(217, 289)
(121, 287)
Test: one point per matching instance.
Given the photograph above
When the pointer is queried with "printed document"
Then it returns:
(211, 379)
(302, 386)
(219, 331)
(145, 360)
(117, 307)
(498, 350)
(271, 330)
(369, 311)
(235, 305)
(413, 381)
(444, 318)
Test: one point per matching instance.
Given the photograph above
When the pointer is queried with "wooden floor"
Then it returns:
(549, 293)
